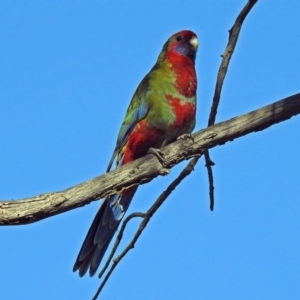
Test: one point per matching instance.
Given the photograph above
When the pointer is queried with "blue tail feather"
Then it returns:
(102, 231)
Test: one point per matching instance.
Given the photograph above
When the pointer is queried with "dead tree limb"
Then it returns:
(146, 218)
(145, 169)
(233, 38)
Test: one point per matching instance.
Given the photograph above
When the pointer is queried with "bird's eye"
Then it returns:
(178, 38)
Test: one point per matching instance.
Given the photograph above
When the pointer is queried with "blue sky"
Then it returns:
(67, 72)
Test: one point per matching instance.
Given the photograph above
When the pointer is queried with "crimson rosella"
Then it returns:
(162, 109)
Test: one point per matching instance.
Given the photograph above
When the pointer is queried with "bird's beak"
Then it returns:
(194, 42)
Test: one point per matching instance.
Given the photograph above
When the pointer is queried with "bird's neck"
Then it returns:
(183, 68)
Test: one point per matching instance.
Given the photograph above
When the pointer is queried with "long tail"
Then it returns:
(102, 231)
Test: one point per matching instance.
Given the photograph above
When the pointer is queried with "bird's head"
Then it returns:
(183, 43)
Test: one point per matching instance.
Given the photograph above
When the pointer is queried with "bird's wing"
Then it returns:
(137, 111)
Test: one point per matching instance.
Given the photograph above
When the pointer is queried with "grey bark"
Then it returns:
(143, 170)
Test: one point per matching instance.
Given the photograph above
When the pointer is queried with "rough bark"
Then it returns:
(145, 169)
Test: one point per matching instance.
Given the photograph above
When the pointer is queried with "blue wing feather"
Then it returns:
(136, 115)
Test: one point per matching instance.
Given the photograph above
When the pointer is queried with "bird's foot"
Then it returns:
(160, 156)
(186, 136)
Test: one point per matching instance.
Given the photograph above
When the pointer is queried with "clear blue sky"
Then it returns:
(67, 72)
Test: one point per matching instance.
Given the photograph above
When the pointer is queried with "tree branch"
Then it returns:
(209, 164)
(145, 169)
(233, 37)
(119, 238)
(147, 216)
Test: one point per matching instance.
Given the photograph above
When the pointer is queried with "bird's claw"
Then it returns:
(186, 136)
(160, 156)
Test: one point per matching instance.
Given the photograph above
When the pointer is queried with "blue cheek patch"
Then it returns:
(182, 49)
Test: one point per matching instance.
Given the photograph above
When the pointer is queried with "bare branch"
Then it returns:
(209, 164)
(119, 238)
(161, 199)
(146, 168)
(233, 37)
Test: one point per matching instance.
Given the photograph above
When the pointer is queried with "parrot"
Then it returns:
(162, 109)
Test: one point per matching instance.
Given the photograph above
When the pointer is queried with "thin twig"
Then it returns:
(210, 179)
(233, 37)
(119, 238)
(160, 200)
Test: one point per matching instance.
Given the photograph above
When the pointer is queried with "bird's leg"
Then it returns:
(160, 156)
(186, 136)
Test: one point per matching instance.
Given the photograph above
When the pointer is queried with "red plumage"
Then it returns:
(162, 108)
